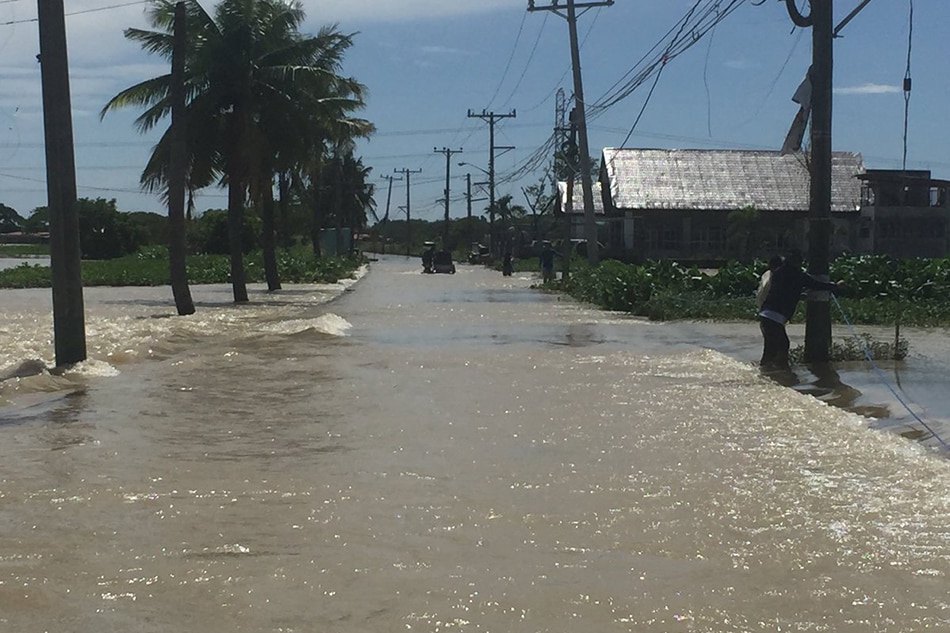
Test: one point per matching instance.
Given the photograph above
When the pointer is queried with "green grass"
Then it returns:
(150, 268)
(24, 250)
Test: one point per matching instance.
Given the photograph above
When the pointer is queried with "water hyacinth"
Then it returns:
(878, 289)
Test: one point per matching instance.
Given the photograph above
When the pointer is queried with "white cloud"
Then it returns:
(868, 89)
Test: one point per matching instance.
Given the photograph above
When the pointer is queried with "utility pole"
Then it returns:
(468, 201)
(818, 307)
(448, 170)
(590, 225)
(69, 326)
(491, 118)
(407, 172)
(389, 197)
(468, 198)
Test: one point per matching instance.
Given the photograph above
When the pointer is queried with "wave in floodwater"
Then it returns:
(125, 326)
(331, 324)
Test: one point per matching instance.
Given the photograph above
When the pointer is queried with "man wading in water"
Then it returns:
(786, 285)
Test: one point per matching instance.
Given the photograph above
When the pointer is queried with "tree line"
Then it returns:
(267, 114)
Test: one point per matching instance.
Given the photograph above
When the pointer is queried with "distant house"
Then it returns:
(676, 203)
(904, 214)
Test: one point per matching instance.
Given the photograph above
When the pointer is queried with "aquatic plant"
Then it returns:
(858, 349)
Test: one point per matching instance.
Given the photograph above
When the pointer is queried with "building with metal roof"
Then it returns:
(677, 203)
(715, 180)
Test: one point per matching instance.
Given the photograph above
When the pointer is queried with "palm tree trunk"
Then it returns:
(176, 175)
(316, 224)
(338, 215)
(237, 195)
(236, 241)
(267, 240)
(283, 207)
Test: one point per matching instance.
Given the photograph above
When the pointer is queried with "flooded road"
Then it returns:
(446, 452)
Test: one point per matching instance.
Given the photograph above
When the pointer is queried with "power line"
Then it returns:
(511, 58)
(95, 10)
(527, 64)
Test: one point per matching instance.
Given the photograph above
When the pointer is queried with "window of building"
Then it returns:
(667, 237)
(709, 239)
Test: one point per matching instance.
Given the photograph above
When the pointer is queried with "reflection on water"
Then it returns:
(418, 455)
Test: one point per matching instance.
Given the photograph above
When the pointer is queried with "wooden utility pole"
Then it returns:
(590, 224)
(448, 171)
(69, 326)
(407, 172)
(491, 118)
(177, 161)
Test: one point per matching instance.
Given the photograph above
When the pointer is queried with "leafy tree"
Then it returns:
(10, 220)
(152, 228)
(104, 233)
(38, 222)
(210, 232)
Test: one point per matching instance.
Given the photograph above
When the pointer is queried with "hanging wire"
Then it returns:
(907, 81)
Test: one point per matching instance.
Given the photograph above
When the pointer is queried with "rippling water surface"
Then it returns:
(436, 452)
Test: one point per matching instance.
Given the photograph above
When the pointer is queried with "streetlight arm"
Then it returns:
(484, 171)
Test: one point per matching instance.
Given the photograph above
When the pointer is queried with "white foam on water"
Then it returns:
(331, 324)
(95, 368)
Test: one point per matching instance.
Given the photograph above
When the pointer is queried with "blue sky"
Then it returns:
(426, 63)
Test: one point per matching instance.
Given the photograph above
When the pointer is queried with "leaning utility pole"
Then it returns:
(406, 172)
(448, 170)
(69, 326)
(491, 118)
(389, 198)
(590, 225)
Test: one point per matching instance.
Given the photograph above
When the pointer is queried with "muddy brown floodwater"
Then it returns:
(450, 453)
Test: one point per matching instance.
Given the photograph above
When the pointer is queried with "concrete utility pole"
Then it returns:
(469, 200)
(491, 118)
(389, 197)
(818, 307)
(590, 224)
(820, 75)
(69, 325)
(407, 172)
(448, 170)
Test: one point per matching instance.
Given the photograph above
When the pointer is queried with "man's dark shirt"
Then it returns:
(787, 284)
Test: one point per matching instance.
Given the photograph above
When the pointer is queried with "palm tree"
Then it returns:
(347, 182)
(248, 73)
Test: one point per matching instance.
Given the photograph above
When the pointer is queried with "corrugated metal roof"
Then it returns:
(578, 197)
(724, 179)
